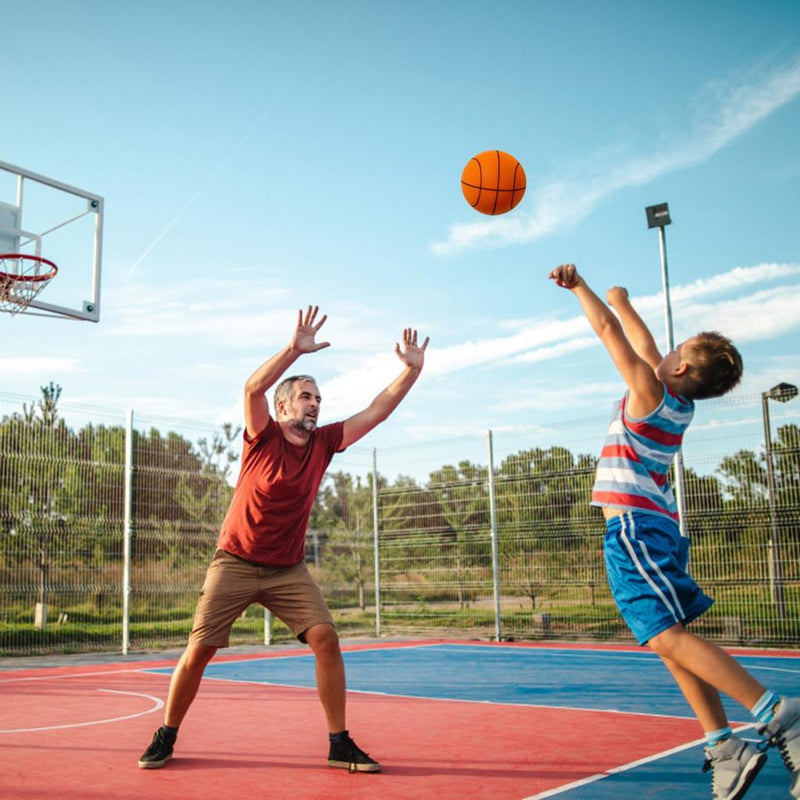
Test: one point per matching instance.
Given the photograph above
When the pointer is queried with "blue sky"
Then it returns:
(255, 157)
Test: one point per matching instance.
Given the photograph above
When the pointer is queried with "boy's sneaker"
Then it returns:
(735, 764)
(159, 752)
(784, 731)
(346, 754)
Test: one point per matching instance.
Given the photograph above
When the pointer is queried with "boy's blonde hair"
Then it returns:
(716, 365)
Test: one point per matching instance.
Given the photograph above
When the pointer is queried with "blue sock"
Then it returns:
(762, 710)
(715, 737)
(337, 737)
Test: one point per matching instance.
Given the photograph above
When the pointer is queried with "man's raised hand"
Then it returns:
(411, 354)
(303, 339)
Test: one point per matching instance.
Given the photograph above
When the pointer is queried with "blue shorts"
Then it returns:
(646, 559)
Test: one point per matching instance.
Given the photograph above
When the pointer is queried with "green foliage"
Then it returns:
(62, 516)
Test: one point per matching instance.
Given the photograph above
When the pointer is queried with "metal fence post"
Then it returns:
(267, 626)
(127, 532)
(495, 552)
(375, 531)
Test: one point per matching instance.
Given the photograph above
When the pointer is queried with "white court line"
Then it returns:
(157, 704)
(72, 675)
(625, 767)
(427, 698)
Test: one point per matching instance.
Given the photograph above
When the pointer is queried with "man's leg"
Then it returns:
(182, 691)
(331, 686)
(331, 683)
(186, 681)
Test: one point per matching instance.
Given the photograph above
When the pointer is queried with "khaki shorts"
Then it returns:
(232, 584)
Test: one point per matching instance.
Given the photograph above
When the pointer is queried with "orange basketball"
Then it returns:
(493, 182)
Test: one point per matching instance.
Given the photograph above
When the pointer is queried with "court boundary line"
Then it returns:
(158, 704)
(459, 700)
(626, 767)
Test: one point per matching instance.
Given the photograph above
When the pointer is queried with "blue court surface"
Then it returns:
(631, 686)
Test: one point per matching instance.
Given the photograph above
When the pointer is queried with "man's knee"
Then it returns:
(323, 639)
(196, 656)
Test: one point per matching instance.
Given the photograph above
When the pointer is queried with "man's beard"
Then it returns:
(304, 424)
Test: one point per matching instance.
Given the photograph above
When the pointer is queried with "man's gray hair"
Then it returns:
(283, 393)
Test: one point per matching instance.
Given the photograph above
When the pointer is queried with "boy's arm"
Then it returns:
(645, 389)
(256, 406)
(413, 358)
(637, 332)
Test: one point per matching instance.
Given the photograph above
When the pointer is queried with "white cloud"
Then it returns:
(577, 395)
(765, 314)
(722, 112)
(40, 365)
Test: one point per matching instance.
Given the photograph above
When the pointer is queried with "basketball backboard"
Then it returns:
(43, 217)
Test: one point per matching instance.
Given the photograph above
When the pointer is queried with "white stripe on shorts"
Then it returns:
(627, 520)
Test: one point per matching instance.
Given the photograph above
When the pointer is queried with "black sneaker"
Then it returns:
(159, 752)
(346, 754)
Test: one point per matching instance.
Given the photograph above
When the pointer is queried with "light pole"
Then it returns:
(783, 393)
(658, 217)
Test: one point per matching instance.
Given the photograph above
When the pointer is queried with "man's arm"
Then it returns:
(646, 390)
(413, 358)
(637, 332)
(256, 405)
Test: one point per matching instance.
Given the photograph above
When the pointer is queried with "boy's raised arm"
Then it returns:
(637, 332)
(645, 389)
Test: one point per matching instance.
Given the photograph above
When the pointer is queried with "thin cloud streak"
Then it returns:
(741, 103)
(765, 314)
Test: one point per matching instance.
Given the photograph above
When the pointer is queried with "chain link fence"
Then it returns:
(108, 520)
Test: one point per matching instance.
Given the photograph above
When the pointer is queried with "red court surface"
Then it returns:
(77, 732)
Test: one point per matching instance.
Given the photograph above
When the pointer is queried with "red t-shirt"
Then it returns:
(267, 518)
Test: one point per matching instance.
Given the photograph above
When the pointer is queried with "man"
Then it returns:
(259, 556)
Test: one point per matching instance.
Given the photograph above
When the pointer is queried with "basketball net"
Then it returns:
(22, 277)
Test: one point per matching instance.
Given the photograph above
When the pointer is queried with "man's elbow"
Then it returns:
(252, 388)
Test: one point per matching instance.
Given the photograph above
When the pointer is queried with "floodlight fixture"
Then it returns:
(658, 216)
(782, 392)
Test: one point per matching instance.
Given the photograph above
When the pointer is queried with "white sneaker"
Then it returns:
(784, 732)
(735, 764)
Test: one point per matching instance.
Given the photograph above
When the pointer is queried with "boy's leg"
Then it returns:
(708, 662)
(734, 763)
(703, 698)
(783, 731)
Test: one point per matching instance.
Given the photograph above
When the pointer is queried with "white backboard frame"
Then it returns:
(14, 235)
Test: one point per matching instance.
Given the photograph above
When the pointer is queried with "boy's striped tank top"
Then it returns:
(633, 471)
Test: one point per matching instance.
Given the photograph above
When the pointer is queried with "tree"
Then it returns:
(343, 511)
(34, 508)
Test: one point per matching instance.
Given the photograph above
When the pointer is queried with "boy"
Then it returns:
(646, 556)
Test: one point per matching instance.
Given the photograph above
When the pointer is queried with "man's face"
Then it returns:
(302, 411)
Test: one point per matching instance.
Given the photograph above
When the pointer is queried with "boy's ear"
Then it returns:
(681, 369)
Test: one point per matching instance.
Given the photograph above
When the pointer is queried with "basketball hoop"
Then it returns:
(22, 277)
